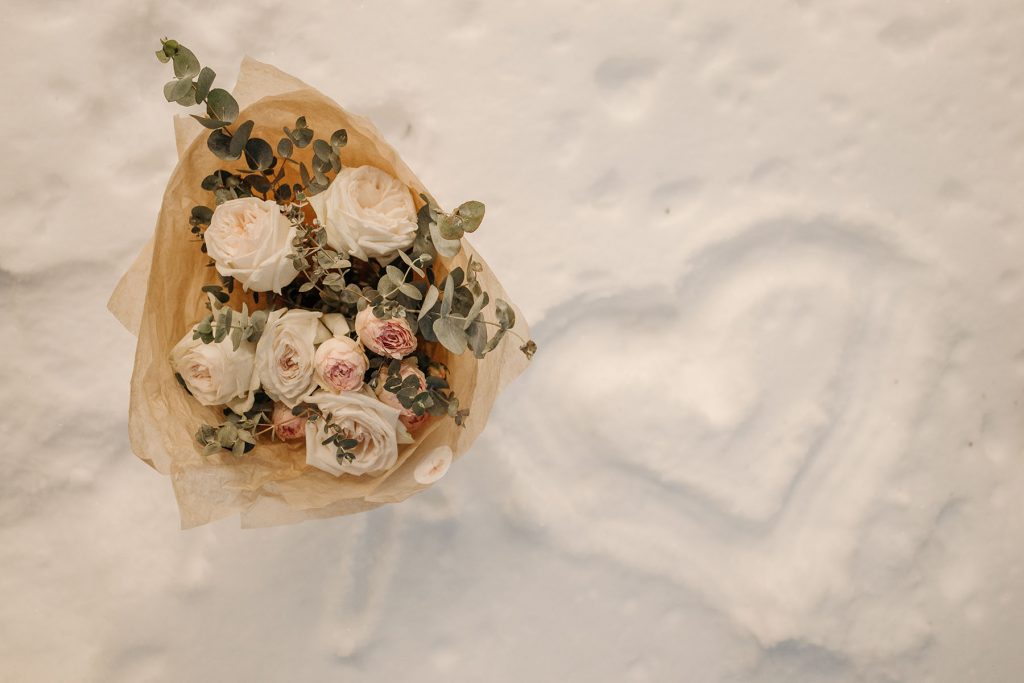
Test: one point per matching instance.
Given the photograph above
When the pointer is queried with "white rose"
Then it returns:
(217, 374)
(251, 240)
(361, 417)
(367, 213)
(284, 355)
(340, 364)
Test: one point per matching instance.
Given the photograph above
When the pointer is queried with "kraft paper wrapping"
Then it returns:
(159, 299)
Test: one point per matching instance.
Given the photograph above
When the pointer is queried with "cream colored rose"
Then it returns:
(392, 337)
(284, 355)
(367, 213)
(340, 364)
(217, 374)
(287, 426)
(411, 420)
(251, 240)
(360, 417)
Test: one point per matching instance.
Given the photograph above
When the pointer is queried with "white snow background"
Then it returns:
(772, 254)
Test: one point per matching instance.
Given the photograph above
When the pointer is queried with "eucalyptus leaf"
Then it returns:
(188, 99)
(445, 247)
(451, 335)
(203, 83)
(175, 90)
(258, 154)
(221, 105)
(185, 63)
(506, 315)
(495, 340)
(472, 214)
(409, 262)
(219, 143)
(239, 139)
(339, 138)
(429, 299)
(476, 333)
(208, 122)
(285, 148)
(449, 296)
(410, 291)
(322, 150)
(449, 227)
(478, 305)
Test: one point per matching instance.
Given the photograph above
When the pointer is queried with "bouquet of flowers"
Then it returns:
(316, 337)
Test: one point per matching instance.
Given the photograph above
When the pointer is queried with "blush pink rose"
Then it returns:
(287, 426)
(411, 420)
(339, 364)
(393, 337)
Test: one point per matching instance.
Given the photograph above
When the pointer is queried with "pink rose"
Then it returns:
(411, 420)
(392, 337)
(286, 425)
(339, 364)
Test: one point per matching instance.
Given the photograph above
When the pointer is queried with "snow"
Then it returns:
(771, 254)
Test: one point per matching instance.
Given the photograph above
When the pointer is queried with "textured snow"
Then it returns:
(772, 255)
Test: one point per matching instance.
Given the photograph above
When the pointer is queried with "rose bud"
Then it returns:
(392, 337)
(339, 364)
(287, 426)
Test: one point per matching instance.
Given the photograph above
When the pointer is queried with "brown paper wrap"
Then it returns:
(158, 299)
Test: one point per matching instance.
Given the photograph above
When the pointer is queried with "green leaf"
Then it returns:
(209, 123)
(162, 56)
(445, 247)
(285, 148)
(203, 83)
(203, 214)
(301, 136)
(185, 63)
(478, 305)
(175, 90)
(339, 138)
(450, 227)
(188, 99)
(428, 301)
(219, 293)
(258, 181)
(322, 150)
(219, 143)
(221, 105)
(410, 291)
(258, 154)
(451, 335)
(506, 315)
(449, 296)
(495, 340)
(409, 262)
(472, 214)
(477, 334)
(239, 139)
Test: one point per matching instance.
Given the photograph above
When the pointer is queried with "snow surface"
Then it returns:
(772, 255)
